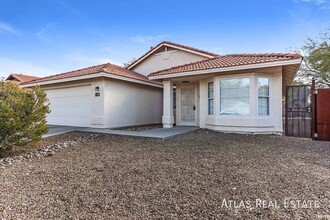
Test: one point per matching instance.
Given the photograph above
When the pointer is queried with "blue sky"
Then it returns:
(42, 37)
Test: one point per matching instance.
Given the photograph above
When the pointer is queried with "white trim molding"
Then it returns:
(90, 76)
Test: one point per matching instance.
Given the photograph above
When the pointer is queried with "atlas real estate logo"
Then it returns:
(287, 203)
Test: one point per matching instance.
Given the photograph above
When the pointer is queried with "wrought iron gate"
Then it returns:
(298, 120)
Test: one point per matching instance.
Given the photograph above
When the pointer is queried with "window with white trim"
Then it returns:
(210, 95)
(263, 96)
(235, 96)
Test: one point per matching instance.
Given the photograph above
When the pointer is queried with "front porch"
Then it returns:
(181, 103)
(235, 102)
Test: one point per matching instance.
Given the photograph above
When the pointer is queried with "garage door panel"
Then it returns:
(72, 91)
(70, 106)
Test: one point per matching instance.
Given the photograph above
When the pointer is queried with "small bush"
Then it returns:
(22, 115)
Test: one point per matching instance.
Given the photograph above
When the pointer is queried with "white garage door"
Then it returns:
(70, 106)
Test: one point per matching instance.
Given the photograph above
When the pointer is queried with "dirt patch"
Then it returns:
(186, 177)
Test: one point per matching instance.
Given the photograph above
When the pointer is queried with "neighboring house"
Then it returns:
(20, 78)
(236, 93)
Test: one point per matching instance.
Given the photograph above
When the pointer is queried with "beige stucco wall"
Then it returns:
(165, 60)
(128, 104)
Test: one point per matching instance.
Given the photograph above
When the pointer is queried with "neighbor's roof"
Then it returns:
(176, 45)
(103, 68)
(230, 60)
(21, 77)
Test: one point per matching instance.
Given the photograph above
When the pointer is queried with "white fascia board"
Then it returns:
(170, 45)
(227, 69)
(145, 56)
(191, 51)
(102, 74)
(132, 80)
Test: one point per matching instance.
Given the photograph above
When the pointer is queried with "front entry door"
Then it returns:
(188, 106)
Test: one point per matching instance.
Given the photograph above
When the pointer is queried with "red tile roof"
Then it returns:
(229, 61)
(21, 77)
(173, 44)
(106, 68)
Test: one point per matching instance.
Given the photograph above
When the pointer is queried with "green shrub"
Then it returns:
(22, 115)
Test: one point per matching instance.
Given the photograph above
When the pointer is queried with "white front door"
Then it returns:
(188, 106)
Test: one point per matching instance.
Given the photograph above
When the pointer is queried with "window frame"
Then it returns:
(249, 98)
(210, 98)
(259, 96)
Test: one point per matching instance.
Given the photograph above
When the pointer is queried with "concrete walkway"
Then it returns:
(56, 130)
(161, 133)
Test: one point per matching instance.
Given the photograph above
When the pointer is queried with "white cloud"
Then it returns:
(147, 39)
(42, 31)
(318, 2)
(4, 27)
(9, 66)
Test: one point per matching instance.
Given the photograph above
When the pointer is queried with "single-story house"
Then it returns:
(176, 85)
(19, 78)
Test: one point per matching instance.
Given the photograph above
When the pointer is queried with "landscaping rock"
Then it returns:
(46, 151)
(189, 176)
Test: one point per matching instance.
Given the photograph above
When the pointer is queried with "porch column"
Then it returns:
(168, 118)
(203, 103)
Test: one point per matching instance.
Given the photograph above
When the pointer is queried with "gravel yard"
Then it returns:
(201, 175)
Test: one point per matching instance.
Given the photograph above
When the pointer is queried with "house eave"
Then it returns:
(169, 45)
(90, 76)
(227, 69)
(14, 77)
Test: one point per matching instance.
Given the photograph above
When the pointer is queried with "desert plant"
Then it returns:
(22, 115)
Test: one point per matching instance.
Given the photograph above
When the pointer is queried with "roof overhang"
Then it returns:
(13, 76)
(168, 45)
(90, 76)
(227, 69)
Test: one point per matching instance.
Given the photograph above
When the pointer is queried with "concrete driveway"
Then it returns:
(58, 129)
(161, 133)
